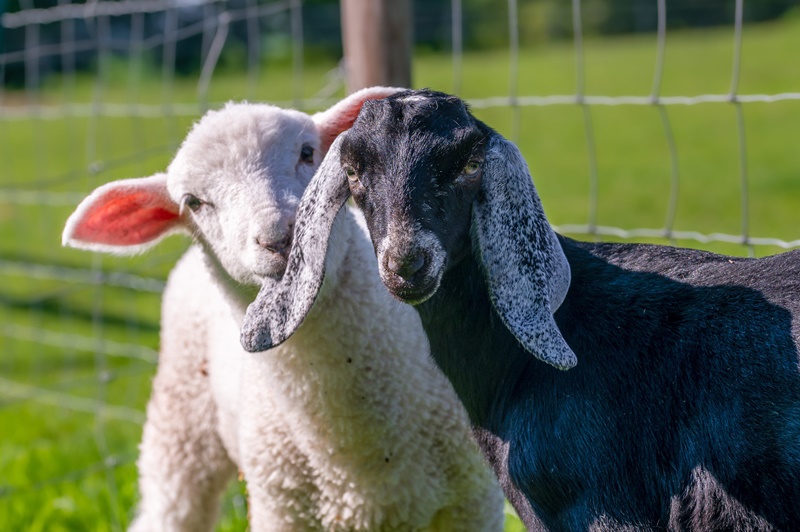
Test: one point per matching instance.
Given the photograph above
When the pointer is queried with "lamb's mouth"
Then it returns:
(274, 268)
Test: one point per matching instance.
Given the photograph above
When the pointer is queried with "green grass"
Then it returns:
(63, 468)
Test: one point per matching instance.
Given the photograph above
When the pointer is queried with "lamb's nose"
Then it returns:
(406, 266)
(278, 245)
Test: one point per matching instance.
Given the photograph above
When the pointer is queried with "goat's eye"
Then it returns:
(192, 201)
(307, 154)
(472, 168)
(351, 174)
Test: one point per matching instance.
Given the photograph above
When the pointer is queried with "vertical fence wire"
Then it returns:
(210, 62)
(296, 13)
(580, 93)
(513, 69)
(168, 58)
(135, 80)
(456, 23)
(661, 44)
(253, 48)
(740, 127)
(102, 33)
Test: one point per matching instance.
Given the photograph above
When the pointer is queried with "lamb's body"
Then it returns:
(369, 429)
(348, 426)
(686, 409)
(325, 433)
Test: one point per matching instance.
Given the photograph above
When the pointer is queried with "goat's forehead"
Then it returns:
(421, 144)
(395, 124)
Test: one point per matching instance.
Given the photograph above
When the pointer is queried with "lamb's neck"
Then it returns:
(339, 380)
(237, 295)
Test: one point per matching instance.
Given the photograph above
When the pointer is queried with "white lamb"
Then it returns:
(347, 425)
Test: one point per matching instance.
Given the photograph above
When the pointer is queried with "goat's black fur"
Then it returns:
(683, 412)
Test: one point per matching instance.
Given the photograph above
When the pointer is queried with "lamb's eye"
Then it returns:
(472, 167)
(351, 174)
(307, 154)
(193, 202)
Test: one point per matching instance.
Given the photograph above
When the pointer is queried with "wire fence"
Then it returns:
(79, 331)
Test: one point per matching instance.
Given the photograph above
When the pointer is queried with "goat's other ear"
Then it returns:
(281, 306)
(340, 116)
(123, 217)
(524, 267)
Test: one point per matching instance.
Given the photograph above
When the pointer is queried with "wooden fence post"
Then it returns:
(377, 37)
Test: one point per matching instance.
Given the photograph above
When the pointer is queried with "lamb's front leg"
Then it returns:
(281, 493)
(183, 465)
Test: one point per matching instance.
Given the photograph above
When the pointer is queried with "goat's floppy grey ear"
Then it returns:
(524, 267)
(281, 306)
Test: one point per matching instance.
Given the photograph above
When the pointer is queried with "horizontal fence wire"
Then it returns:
(124, 110)
(20, 390)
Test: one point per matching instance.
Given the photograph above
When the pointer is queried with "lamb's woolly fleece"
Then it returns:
(346, 426)
(369, 427)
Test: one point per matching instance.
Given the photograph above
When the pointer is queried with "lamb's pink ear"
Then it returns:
(341, 115)
(123, 217)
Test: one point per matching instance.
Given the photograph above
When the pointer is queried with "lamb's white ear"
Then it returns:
(123, 217)
(340, 116)
(281, 306)
(524, 267)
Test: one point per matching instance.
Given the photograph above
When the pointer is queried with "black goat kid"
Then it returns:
(683, 411)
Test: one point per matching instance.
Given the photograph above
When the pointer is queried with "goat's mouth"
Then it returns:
(414, 293)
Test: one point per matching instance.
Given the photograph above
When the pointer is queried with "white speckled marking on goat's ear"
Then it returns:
(525, 269)
(281, 306)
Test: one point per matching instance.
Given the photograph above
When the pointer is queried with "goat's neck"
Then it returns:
(470, 343)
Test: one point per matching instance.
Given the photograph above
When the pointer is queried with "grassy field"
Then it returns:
(77, 357)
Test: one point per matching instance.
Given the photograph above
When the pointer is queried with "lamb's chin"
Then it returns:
(273, 269)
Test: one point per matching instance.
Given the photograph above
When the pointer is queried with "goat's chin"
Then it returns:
(413, 293)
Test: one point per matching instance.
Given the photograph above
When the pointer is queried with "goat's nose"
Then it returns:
(406, 266)
(278, 245)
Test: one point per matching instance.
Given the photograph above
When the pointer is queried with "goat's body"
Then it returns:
(683, 412)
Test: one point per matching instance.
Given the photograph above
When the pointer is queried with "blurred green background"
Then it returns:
(79, 331)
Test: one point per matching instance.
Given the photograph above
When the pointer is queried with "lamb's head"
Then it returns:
(234, 185)
(237, 180)
(437, 187)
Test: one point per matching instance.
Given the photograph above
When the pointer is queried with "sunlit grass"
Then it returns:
(65, 469)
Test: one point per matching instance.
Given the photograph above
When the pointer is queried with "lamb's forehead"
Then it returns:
(251, 127)
(243, 134)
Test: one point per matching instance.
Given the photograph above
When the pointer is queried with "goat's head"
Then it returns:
(414, 166)
(436, 186)
(234, 184)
